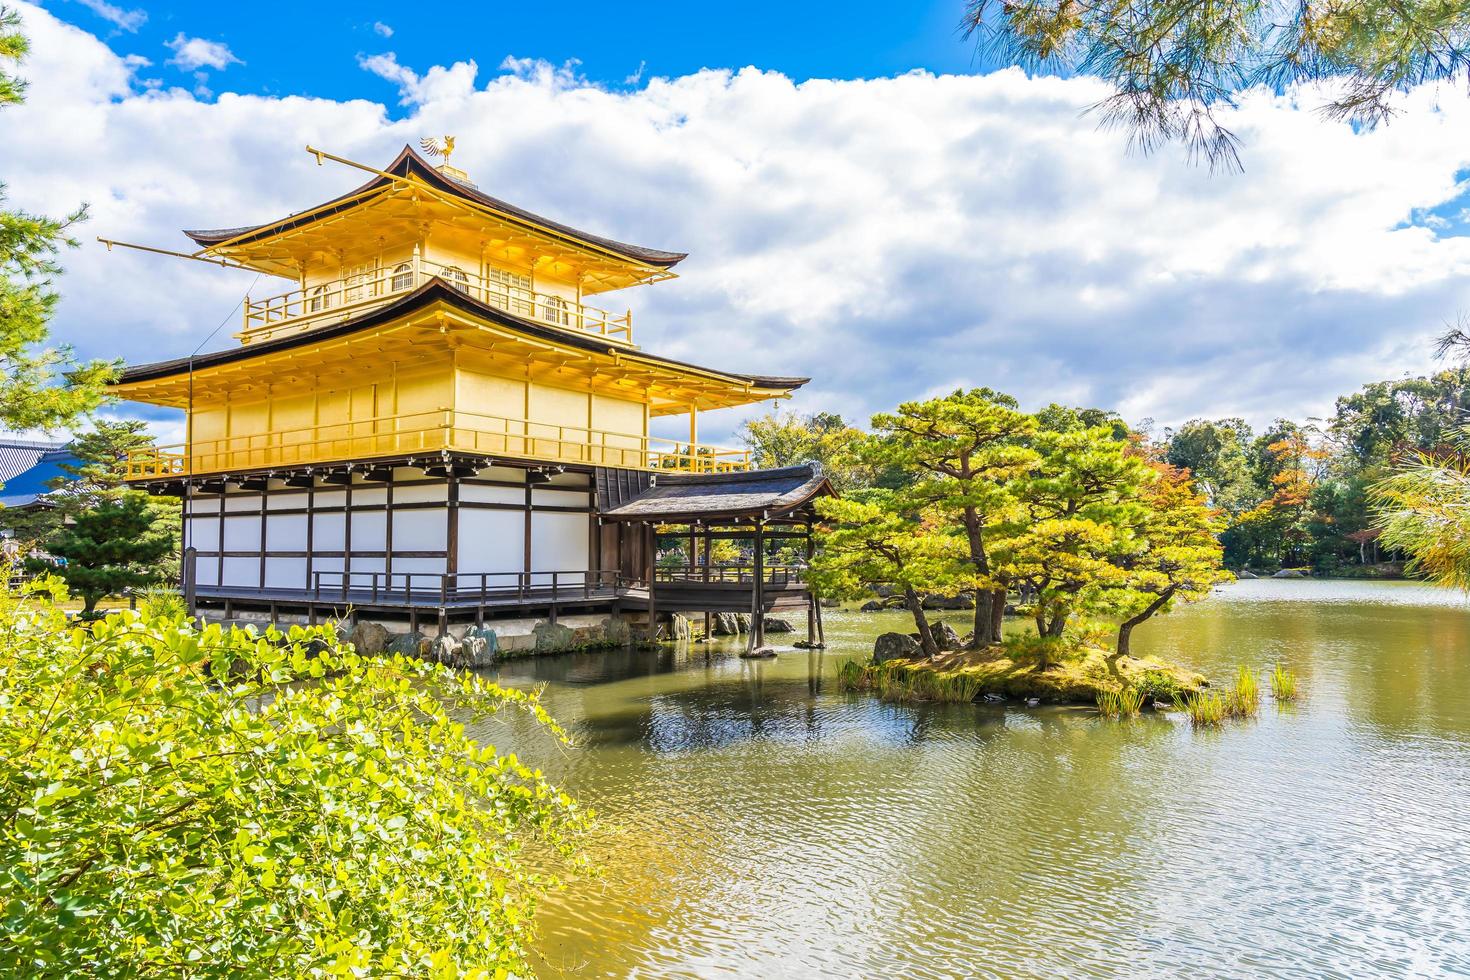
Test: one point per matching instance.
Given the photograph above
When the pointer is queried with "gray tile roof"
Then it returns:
(695, 496)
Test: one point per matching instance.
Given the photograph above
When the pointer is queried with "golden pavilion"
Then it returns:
(434, 419)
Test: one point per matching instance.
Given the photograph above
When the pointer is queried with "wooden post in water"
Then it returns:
(191, 579)
(758, 619)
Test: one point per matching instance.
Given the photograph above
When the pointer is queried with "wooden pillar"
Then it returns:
(264, 506)
(526, 557)
(219, 577)
(191, 580)
(811, 597)
(310, 537)
(758, 621)
(347, 535)
(650, 575)
(451, 531)
(388, 532)
(707, 561)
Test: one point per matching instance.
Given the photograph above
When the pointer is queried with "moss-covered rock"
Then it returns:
(1074, 679)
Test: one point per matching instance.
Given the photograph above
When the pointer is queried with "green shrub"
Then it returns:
(161, 602)
(182, 800)
(1158, 685)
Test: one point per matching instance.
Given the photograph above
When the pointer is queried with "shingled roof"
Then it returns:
(680, 497)
(409, 162)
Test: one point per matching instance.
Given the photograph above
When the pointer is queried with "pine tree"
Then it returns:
(118, 544)
(41, 387)
(965, 449)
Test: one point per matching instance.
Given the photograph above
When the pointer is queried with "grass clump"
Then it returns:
(1206, 709)
(1283, 684)
(1243, 700)
(851, 676)
(1124, 702)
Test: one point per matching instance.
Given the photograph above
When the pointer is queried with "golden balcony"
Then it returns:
(343, 299)
(427, 432)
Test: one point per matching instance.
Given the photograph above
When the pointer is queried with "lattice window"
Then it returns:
(509, 290)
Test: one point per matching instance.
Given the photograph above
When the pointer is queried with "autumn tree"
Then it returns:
(1173, 554)
(884, 537)
(1295, 466)
(965, 448)
(1174, 64)
(41, 387)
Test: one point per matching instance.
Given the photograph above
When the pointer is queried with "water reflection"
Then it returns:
(757, 823)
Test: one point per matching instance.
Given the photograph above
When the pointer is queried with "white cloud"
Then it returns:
(889, 238)
(439, 84)
(382, 29)
(195, 52)
(121, 18)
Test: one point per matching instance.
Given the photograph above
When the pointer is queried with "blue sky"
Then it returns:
(889, 232)
(312, 48)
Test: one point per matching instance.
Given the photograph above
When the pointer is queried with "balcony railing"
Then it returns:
(342, 299)
(445, 429)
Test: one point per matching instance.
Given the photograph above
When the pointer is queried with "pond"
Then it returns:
(756, 822)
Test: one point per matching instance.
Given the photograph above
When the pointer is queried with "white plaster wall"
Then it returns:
(558, 543)
(242, 571)
(370, 532)
(558, 498)
(493, 495)
(285, 532)
(285, 573)
(409, 493)
(203, 533)
(416, 530)
(242, 533)
(330, 533)
(492, 541)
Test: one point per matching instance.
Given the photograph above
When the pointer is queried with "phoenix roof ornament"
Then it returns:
(438, 148)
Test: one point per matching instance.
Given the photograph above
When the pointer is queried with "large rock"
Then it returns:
(830, 603)
(774, 625)
(945, 636)
(726, 624)
(896, 646)
(447, 651)
(679, 627)
(475, 651)
(370, 639)
(872, 606)
(1292, 573)
(965, 600)
(554, 638)
(1246, 573)
(410, 645)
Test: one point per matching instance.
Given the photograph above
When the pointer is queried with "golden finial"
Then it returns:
(438, 148)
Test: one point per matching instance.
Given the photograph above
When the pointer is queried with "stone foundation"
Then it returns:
(477, 646)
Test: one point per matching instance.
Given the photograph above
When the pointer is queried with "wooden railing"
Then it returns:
(410, 588)
(445, 429)
(731, 574)
(342, 299)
